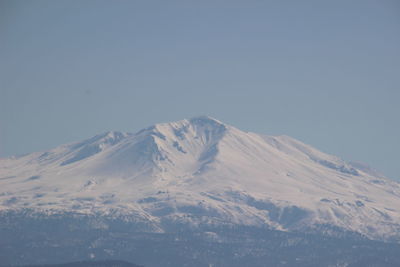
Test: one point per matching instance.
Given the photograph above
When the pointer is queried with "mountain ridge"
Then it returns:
(202, 171)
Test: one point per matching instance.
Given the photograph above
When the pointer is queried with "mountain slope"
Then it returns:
(202, 171)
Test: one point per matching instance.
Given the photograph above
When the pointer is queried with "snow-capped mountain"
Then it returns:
(202, 171)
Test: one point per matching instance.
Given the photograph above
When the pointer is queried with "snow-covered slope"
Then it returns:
(203, 171)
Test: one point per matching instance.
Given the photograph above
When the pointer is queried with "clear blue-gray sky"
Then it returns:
(324, 72)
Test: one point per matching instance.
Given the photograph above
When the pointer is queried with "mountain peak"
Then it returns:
(203, 119)
(195, 127)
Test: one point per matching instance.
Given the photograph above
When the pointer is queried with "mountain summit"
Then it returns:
(201, 171)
